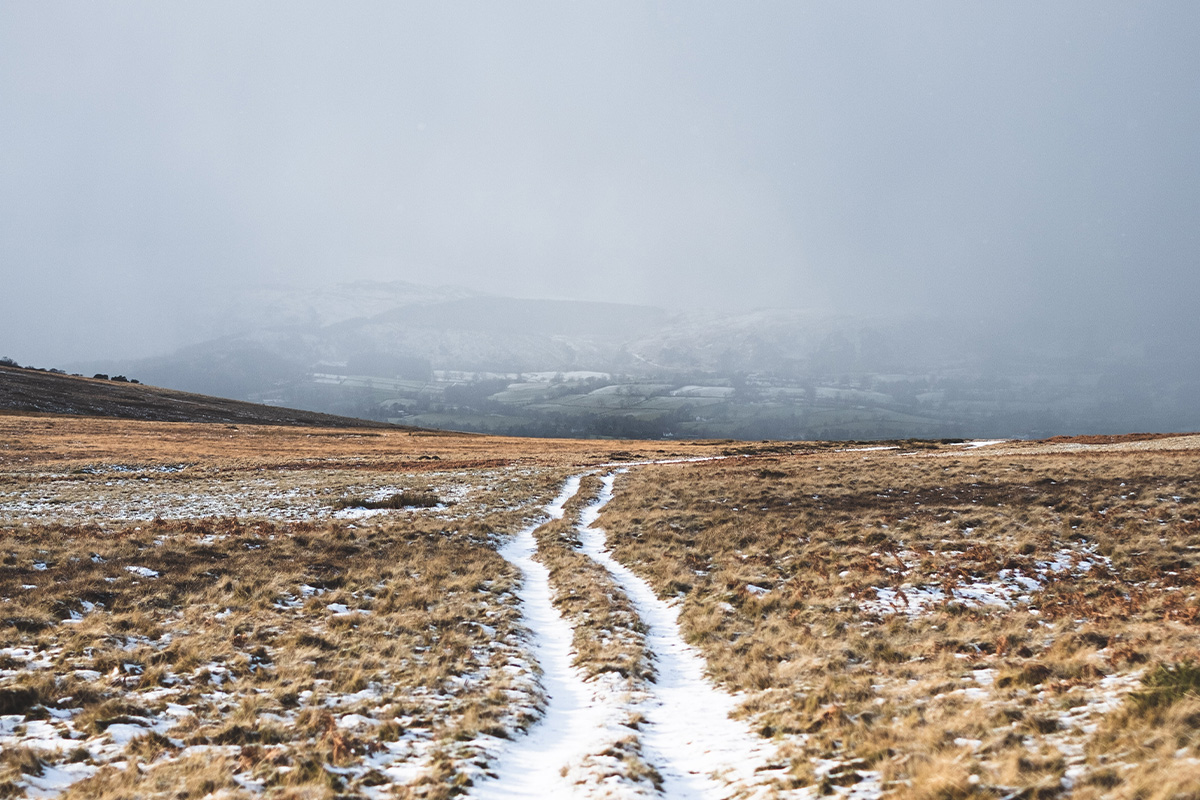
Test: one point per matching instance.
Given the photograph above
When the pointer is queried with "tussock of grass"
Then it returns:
(19, 699)
(1168, 684)
(16, 762)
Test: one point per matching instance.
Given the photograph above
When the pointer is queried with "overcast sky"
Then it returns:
(1038, 158)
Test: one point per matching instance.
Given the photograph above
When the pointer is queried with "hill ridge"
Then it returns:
(26, 390)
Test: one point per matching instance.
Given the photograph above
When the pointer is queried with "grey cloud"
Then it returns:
(1036, 159)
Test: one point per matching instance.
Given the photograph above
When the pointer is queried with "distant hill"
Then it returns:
(294, 336)
(31, 390)
(446, 357)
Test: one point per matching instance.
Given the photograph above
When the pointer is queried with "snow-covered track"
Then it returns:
(577, 717)
(689, 736)
(685, 732)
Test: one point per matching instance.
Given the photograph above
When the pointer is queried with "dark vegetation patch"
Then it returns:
(399, 500)
(1167, 684)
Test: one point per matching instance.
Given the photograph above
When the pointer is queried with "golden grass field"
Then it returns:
(196, 610)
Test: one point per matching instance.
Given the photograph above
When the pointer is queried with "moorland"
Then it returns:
(237, 610)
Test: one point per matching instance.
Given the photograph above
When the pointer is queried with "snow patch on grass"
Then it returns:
(1011, 589)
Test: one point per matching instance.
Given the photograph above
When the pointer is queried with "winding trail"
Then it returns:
(699, 750)
(687, 736)
(573, 725)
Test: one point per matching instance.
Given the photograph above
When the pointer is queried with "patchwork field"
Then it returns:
(211, 610)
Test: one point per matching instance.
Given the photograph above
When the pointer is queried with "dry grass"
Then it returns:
(277, 649)
(191, 586)
(246, 645)
(40, 444)
(262, 637)
(784, 564)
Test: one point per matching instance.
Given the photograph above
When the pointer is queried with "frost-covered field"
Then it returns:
(201, 611)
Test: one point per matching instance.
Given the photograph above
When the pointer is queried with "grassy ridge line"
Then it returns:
(24, 391)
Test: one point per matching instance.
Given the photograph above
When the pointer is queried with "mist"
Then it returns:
(1029, 165)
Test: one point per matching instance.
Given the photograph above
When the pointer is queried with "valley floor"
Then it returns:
(195, 611)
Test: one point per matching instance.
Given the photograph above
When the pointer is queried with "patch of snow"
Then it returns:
(1012, 587)
(359, 513)
(352, 721)
(984, 677)
(54, 780)
(343, 610)
(123, 732)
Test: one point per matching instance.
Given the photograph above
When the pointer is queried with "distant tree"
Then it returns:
(100, 376)
(119, 378)
(8, 362)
